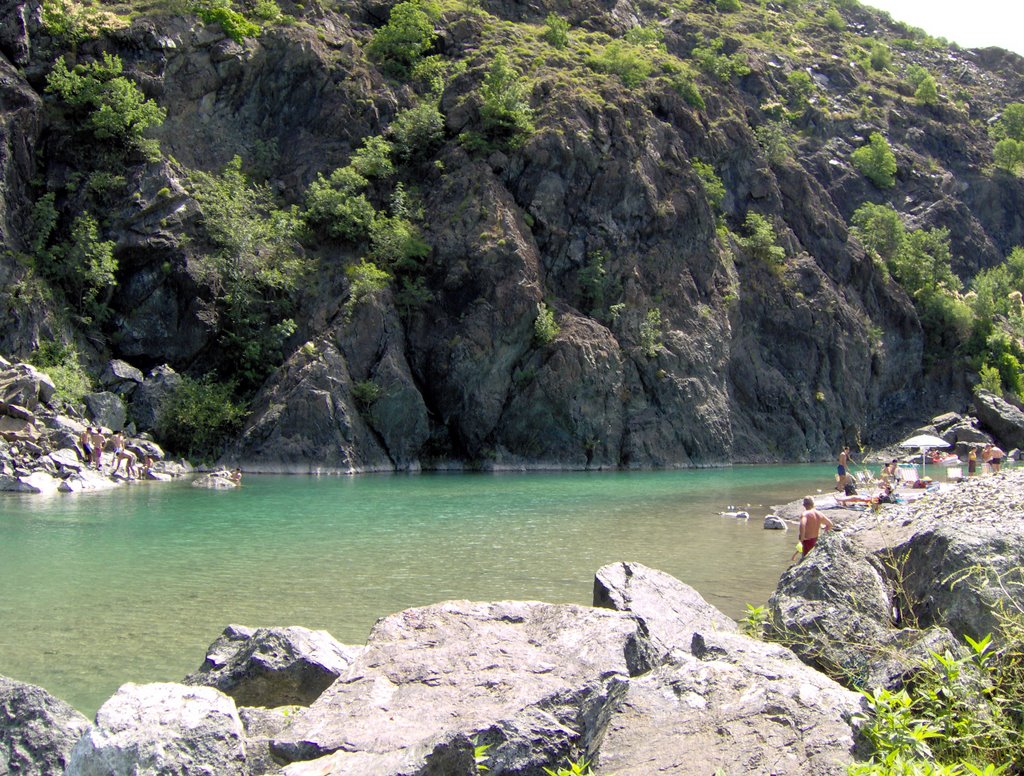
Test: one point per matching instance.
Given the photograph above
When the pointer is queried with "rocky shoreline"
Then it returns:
(652, 679)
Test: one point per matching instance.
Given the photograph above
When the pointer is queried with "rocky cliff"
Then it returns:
(678, 334)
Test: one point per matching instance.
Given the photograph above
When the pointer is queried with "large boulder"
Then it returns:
(273, 666)
(33, 482)
(24, 385)
(720, 700)
(671, 610)
(120, 377)
(163, 730)
(1001, 417)
(535, 681)
(106, 409)
(732, 704)
(37, 731)
(146, 399)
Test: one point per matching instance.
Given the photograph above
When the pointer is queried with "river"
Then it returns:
(133, 584)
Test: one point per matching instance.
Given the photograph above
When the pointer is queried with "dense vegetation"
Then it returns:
(255, 249)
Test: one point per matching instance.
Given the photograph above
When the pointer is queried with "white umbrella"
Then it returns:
(924, 441)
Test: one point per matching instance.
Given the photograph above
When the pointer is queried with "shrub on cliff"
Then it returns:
(876, 161)
(111, 106)
(407, 36)
(253, 270)
(234, 24)
(337, 207)
(504, 111)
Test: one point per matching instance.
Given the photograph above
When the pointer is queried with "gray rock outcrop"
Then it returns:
(536, 681)
(163, 730)
(869, 603)
(735, 704)
(106, 409)
(671, 610)
(720, 699)
(1004, 420)
(150, 394)
(273, 667)
(37, 731)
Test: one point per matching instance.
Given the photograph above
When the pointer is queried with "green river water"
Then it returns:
(133, 584)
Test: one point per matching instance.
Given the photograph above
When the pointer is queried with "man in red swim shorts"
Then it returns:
(812, 522)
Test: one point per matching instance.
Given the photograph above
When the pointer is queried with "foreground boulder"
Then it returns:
(165, 729)
(1005, 420)
(720, 700)
(872, 601)
(535, 681)
(37, 731)
(273, 667)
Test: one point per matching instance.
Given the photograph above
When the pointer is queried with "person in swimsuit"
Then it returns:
(993, 456)
(844, 457)
(812, 522)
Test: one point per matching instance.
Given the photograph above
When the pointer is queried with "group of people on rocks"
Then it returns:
(94, 443)
(813, 522)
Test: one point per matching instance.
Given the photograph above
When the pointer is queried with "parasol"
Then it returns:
(924, 441)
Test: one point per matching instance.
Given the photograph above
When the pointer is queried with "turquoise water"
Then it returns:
(133, 584)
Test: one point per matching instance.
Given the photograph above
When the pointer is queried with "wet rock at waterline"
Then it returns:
(37, 731)
(165, 729)
(273, 666)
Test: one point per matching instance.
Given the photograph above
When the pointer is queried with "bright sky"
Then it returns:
(970, 23)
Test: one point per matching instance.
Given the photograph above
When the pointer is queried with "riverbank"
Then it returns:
(666, 682)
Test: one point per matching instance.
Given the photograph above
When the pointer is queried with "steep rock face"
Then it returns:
(678, 344)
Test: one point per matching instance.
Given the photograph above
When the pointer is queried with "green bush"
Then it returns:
(504, 111)
(927, 93)
(61, 362)
(337, 206)
(774, 139)
(632, 64)
(198, 417)
(408, 35)
(718, 65)
(364, 280)
(366, 392)
(556, 31)
(714, 189)
(253, 269)
(545, 327)
(876, 161)
(761, 241)
(881, 56)
(801, 87)
(418, 131)
(728, 6)
(989, 380)
(73, 23)
(834, 20)
(649, 36)
(916, 74)
(1011, 123)
(650, 333)
(234, 24)
(114, 107)
(373, 158)
(1009, 155)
